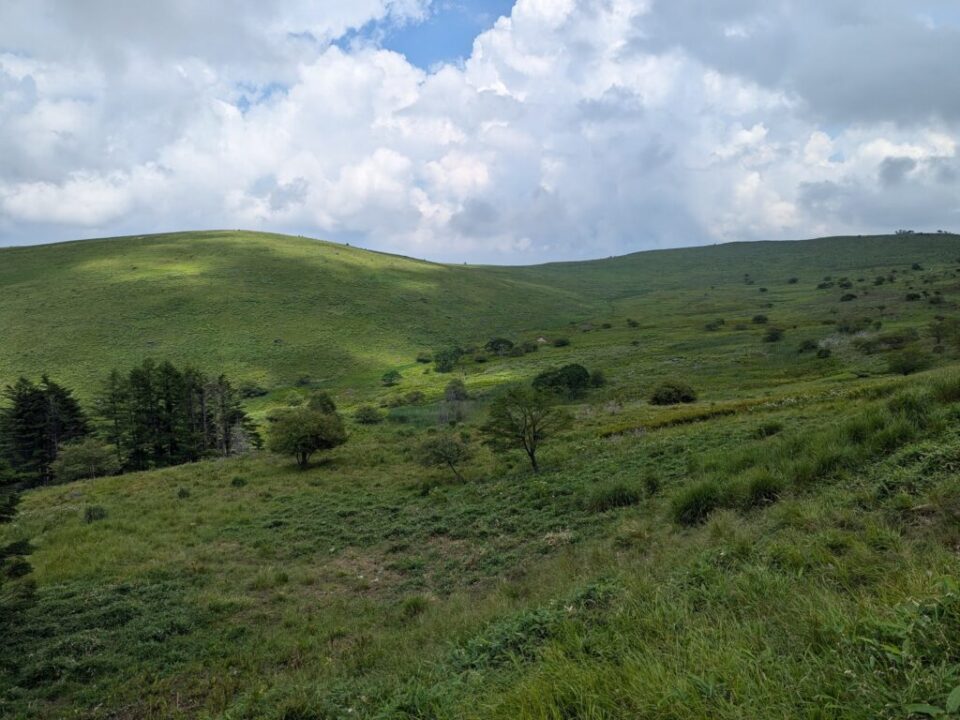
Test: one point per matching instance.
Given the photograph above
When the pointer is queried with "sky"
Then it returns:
(480, 130)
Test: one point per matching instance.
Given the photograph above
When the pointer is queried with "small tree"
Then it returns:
(523, 418)
(672, 392)
(445, 360)
(499, 346)
(570, 380)
(390, 378)
(456, 391)
(301, 432)
(85, 459)
(445, 451)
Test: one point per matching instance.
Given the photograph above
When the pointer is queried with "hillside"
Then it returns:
(784, 546)
(273, 309)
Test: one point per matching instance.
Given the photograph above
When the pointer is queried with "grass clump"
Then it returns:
(610, 496)
(693, 505)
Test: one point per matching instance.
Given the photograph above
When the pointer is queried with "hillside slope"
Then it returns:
(272, 309)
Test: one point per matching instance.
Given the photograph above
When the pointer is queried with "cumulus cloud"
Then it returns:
(574, 128)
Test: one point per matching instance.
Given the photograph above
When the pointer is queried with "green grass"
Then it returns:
(784, 547)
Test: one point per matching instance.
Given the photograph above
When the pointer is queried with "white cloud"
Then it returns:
(573, 129)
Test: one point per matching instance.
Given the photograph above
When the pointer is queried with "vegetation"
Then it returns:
(523, 418)
(672, 392)
(569, 380)
(784, 547)
(302, 432)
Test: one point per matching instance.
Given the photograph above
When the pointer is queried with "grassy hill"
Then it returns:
(785, 547)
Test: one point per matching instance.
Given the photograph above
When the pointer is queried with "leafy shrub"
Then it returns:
(824, 353)
(480, 358)
(632, 323)
(714, 325)
(793, 281)
(250, 390)
(913, 297)
(498, 346)
(456, 391)
(692, 505)
(672, 392)
(93, 513)
(561, 342)
(773, 334)
(425, 358)
(367, 415)
(530, 346)
(847, 297)
(183, 493)
(390, 378)
(907, 362)
(610, 496)
(760, 319)
(807, 346)
(568, 380)
(238, 482)
(598, 379)
(445, 360)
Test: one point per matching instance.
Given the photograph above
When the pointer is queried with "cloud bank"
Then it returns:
(573, 128)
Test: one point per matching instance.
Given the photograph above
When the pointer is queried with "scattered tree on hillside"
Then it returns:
(569, 380)
(445, 360)
(390, 378)
(523, 418)
(367, 415)
(301, 432)
(445, 451)
(36, 421)
(321, 402)
(499, 346)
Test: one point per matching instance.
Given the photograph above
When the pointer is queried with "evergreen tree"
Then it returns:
(36, 421)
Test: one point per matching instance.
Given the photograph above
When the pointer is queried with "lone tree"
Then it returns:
(523, 418)
(301, 432)
(499, 346)
(570, 380)
(390, 378)
(445, 450)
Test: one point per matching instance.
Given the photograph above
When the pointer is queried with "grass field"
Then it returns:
(785, 547)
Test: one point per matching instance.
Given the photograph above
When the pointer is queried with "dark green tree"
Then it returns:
(36, 421)
(302, 432)
(445, 451)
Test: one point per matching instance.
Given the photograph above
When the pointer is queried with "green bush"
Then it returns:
(773, 334)
(672, 392)
(425, 358)
(610, 496)
(569, 380)
(907, 362)
(598, 379)
(367, 415)
(93, 513)
(561, 342)
(760, 319)
(693, 505)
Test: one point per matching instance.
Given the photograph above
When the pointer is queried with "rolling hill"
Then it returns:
(785, 546)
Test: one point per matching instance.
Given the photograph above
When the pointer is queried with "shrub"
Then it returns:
(773, 334)
(793, 281)
(456, 391)
(498, 346)
(714, 325)
(692, 505)
(913, 297)
(480, 359)
(390, 378)
(301, 432)
(807, 346)
(597, 379)
(672, 392)
(824, 353)
(561, 342)
(93, 513)
(414, 397)
(907, 362)
(367, 415)
(632, 323)
(183, 493)
(84, 459)
(238, 482)
(250, 390)
(445, 360)
(848, 297)
(760, 319)
(610, 496)
(530, 346)
(425, 358)
(568, 380)
(445, 451)
(321, 402)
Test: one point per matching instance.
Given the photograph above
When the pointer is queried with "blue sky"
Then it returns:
(448, 34)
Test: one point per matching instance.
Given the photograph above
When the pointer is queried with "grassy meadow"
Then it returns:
(784, 547)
